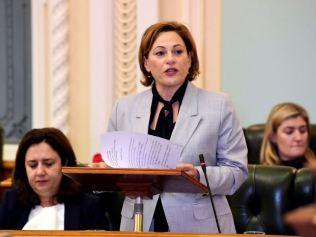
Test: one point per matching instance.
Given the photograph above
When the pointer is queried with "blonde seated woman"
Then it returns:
(286, 137)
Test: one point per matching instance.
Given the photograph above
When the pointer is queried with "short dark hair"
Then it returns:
(148, 39)
(60, 144)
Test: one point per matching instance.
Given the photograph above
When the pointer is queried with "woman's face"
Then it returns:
(43, 169)
(291, 138)
(168, 61)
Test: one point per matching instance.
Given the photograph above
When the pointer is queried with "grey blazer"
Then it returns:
(207, 124)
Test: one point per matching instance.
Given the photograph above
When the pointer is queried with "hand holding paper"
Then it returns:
(135, 150)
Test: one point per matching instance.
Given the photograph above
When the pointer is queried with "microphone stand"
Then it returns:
(203, 165)
(138, 214)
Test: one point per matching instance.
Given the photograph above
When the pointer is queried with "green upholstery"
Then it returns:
(254, 136)
(267, 194)
(304, 188)
(1, 144)
(259, 204)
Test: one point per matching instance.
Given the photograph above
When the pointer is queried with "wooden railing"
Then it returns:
(117, 234)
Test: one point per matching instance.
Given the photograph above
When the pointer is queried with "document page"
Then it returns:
(136, 150)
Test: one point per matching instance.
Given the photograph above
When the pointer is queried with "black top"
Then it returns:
(164, 129)
(82, 212)
(297, 163)
(165, 124)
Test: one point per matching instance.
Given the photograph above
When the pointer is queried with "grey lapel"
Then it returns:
(188, 118)
(142, 113)
(186, 123)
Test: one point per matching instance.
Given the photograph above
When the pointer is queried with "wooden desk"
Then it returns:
(116, 234)
(6, 184)
(135, 182)
(6, 168)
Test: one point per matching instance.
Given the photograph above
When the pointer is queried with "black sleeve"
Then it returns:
(86, 212)
(13, 214)
(4, 217)
(97, 219)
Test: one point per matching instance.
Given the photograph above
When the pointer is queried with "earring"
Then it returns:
(149, 76)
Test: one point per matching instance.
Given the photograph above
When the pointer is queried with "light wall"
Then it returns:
(79, 78)
(268, 55)
(204, 20)
(49, 30)
(260, 52)
(90, 51)
(190, 12)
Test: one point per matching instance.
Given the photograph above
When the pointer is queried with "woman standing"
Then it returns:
(202, 122)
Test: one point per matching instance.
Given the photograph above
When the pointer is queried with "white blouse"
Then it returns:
(46, 218)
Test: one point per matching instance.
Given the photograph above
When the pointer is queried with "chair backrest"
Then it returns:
(114, 203)
(312, 141)
(304, 188)
(260, 203)
(1, 144)
(254, 137)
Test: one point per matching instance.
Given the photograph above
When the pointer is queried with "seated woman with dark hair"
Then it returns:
(286, 137)
(42, 198)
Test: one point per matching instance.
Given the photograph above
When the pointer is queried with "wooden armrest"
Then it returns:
(7, 183)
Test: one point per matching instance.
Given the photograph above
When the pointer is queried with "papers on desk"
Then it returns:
(135, 150)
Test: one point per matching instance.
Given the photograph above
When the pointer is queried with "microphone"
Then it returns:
(203, 165)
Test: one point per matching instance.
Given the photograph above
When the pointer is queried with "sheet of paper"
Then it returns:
(136, 150)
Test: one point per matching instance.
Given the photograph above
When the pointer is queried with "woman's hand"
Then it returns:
(97, 162)
(101, 164)
(189, 169)
(303, 220)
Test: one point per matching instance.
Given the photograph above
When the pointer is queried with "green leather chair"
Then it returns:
(1, 144)
(267, 194)
(254, 136)
(304, 188)
(259, 204)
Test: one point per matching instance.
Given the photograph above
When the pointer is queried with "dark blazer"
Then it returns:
(83, 212)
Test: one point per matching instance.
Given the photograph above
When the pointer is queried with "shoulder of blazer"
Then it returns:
(206, 93)
(131, 99)
(11, 200)
(135, 105)
(196, 98)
